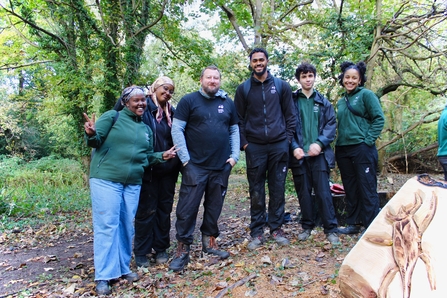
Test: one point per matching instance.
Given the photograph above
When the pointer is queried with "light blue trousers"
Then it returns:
(113, 207)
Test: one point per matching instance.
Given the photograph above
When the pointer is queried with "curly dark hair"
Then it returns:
(360, 67)
(305, 67)
(259, 50)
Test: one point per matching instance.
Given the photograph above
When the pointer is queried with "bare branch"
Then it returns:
(292, 8)
(421, 121)
(170, 49)
(160, 15)
(9, 67)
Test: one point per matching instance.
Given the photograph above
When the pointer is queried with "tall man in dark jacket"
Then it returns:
(267, 120)
(313, 156)
(205, 129)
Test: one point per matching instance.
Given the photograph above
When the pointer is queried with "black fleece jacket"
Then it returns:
(265, 116)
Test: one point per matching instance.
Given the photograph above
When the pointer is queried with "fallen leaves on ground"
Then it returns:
(60, 258)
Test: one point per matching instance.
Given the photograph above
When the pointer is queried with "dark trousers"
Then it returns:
(358, 169)
(153, 218)
(196, 182)
(268, 161)
(314, 173)
(443, 162)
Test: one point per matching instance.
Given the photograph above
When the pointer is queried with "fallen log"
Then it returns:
(403, 156)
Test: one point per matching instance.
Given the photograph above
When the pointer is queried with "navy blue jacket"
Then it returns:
(327, 126)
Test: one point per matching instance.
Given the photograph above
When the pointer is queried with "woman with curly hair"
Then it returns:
(360, 122)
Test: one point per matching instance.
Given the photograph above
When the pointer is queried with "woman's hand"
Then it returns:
(89, 125)
(171, 153)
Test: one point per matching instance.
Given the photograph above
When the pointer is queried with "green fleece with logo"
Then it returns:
(123, 149)
(353, 129)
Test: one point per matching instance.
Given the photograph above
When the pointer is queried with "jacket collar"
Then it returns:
(132, 115)
(318, 98)
(269, 77)
(356, 90)
(220, 93)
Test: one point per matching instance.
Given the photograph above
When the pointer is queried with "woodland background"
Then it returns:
(60, 58)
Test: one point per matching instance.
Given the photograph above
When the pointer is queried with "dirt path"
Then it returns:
(57, 260)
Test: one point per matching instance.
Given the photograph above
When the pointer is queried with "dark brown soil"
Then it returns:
(56, 260)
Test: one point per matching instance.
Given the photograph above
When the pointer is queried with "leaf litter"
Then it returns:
(56, 260)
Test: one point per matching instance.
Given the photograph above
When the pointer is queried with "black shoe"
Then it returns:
(181, 258)
(161, 257)
(102, 287)
(131, 277)
(209, 246)
(142, 261)
(350, 229)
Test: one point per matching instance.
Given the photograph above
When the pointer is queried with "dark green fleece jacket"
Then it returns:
(354, 129)
(123, 149)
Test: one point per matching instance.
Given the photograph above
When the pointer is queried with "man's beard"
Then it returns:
(210, 91)
(260, 74)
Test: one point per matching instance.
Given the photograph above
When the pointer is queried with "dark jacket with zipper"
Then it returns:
(326, 129)
(265, 116)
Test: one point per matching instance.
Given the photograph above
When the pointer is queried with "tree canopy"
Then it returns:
(64, 57)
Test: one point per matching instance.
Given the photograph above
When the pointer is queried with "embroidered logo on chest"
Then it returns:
(273, 90)
(220, 109)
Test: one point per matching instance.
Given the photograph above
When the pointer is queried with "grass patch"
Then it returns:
(30, 191)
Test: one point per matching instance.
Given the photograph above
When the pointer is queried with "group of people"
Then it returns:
(143, 144)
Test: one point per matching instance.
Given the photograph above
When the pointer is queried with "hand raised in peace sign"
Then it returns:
(89, 125)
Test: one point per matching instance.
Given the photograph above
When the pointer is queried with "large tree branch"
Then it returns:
(9, 67)
(35, 26)
(159, 16)
(232, 18)
(170, 49)
(292, 8)
(421, 121)
(416, 38)
(400, 156)
(107, 30)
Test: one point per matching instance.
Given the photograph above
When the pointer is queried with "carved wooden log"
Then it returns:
(402, 253)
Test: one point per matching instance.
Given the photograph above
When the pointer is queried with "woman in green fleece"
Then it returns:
(123, 149)
(360, 121)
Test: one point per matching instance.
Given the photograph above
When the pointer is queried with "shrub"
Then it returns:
(48, 185)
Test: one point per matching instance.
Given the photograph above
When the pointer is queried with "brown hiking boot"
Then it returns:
(181, 257)
(209, 245)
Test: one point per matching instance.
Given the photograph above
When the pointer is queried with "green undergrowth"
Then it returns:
(31, 191)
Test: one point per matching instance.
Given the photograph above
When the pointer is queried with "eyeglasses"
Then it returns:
(167, 89)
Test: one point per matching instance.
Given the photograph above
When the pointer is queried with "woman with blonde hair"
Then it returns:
(153, 218)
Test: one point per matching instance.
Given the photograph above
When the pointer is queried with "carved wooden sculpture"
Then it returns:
(384, 260)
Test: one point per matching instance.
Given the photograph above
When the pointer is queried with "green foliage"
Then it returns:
(45, 186)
